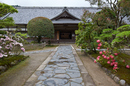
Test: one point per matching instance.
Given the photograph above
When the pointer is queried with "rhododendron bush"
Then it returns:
(110, 56)
(9, 46)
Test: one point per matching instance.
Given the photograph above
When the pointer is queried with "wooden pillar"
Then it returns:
(57, 35)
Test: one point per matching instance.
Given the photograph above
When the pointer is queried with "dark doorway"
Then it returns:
(65, 35)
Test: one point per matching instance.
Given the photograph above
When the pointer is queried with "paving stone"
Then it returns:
(63, 65)
(39, 85)
(47, 68)
(75, 68)
(55, 82)
(42, 78)
(68, 84)
(60, 71)
(48, 74)
(74, 65)
(63, 76)
(77, 80)
(62, 68)
(55, 66)
(49, 83)
(75, 84)
(70, 70)
(74, 75)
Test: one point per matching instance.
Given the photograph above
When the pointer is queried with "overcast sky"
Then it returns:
(48, 3)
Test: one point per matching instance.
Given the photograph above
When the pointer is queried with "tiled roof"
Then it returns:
(25, 14)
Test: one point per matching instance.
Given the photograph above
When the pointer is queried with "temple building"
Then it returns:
(64, 19)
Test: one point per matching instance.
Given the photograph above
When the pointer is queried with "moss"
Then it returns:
(122, 72)
(8, 61)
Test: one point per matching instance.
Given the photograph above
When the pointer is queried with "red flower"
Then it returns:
(115, 54)
(111, 56)
(95, 61)
(105, 57)
(100, 52)
(99, 45)
(127, 66)
(114, 68)
(98, 48)
(108, 58)
(98, 41)
(108, 62)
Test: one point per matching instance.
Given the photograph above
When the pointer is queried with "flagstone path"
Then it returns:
(62, 69)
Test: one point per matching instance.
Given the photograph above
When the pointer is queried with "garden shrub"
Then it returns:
(40, 26)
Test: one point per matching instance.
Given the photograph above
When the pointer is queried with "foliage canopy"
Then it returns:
(6, 10)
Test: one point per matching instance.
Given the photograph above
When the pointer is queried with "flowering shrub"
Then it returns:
(9, 46)
(109, 56)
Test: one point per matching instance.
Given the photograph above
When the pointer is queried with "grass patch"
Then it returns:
(51, 45)
(11, 61)
(122, 72)
(12, 70)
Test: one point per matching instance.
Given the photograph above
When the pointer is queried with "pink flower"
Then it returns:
(115, 54)
(111, 64)
(105, 57)
(98, 41)
(104, 51)
(108, 58)
(6, 47)
(98, 48)
(2, 39)
(108, 62)
(7, 38)
(111, 56)
(100, 52)
(98, 57)
(114, 68)
(0, 47)
(99, 45)
(95, 61)
(127, 66)
(11, 45)
(115, 65)
(23, 49)
(21, 44)
(113, 60)
(5, 55)
(1, 55)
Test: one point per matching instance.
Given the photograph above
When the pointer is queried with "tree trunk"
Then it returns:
(39, 39)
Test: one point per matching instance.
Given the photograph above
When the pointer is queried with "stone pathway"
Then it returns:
(62, 70)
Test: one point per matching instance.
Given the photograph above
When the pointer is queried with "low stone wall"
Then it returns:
(34, 46)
